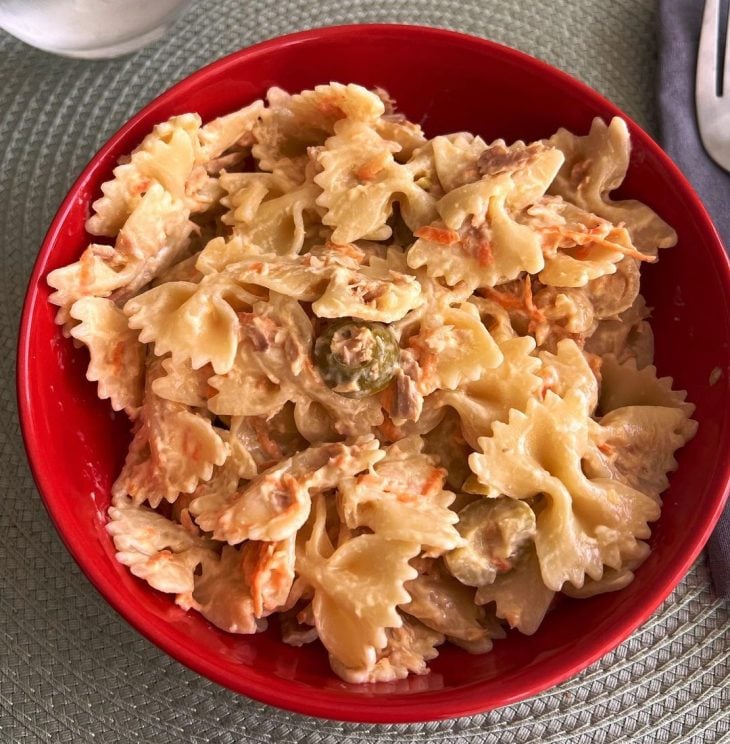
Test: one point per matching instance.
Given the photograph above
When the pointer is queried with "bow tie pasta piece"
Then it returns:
(373, 293)
(218, 253)
(183, 384)
(394, 126)
(519, 173)
(357, 588)
(455, 159)
(626, 385)
(403, 498)
(585, 523)
(117, 358)
(445, 605)
(443, 438)
(246, 389)
(628, 433)
(153, 238)
(185, 270)
(520, 595)
(453, 347)
(277, 503)
(173, 449)
(156, 236)
(478, 255)
(163, 553)
(532, 168)
(627, 336)
(213, 494)
(93, 275)
(462, 159)
(360, 180)
(223, 596)
(293, 123)
(491, 397)
(479, 241)
(612, 294)
(174, 156)
(246, 192)
(495, 317)
(269, 571)
(258, 442)
(254, 443)
(595, 165)
(560, 313)
(166, 157)
(223, 133)
(196, 322)
(578, 246)
(407, 651)
(568, 371)
(407, 135)
(304, 278)
(268, 211)
(613, 580)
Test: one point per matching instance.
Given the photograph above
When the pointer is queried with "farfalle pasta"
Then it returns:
(395, 391)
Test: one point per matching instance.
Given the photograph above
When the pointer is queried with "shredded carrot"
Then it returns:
(370, 169)
(427, 360)
(329, 108)
(268, 445)
(340, 460)
(434, 481)
(583, 252)
(389, 430)
(141, 186)
(535, 315)
(485, 256)
(608, 449)
(368, 479)
(440, 235)
(504, 299)
(117, 356)
(162, 557)
(588, 239)
(191, 447)
(346, 249)
(86, 275)
(387, 398)
(549, 380)
(502, 565)
(254, 568)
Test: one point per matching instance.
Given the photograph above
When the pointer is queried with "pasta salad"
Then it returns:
(386, 391)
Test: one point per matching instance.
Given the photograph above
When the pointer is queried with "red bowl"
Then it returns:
(448, 82)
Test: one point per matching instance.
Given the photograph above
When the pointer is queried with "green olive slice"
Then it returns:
(357, 358)
(495, 530)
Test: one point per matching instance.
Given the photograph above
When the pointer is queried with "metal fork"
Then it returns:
(713, 106)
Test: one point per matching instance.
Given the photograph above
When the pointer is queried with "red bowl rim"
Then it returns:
(466, 700)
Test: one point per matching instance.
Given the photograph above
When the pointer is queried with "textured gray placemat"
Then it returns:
(71, 670)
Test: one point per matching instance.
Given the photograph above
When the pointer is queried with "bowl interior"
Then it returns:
(447, 83)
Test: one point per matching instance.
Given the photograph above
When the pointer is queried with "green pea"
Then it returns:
(357, 358)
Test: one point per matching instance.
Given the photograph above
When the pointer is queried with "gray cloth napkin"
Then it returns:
(679, 25)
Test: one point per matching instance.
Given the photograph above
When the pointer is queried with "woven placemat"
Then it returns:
(71, 670)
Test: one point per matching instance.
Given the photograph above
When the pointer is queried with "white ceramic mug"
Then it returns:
(92, 29)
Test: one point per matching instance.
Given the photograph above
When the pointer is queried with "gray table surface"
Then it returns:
(71, 670)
